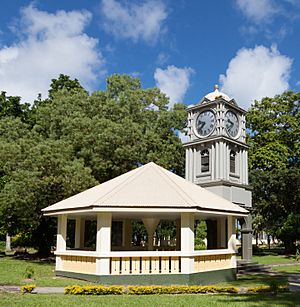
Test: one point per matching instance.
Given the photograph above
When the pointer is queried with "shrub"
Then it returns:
(94, 290)
(297, 255)
(21, 239)
(29, 272)
(273, 288)
(27, 288)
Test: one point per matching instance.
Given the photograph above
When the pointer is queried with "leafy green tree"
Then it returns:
(200, 234)
(46, 175)
(64, 82)
(115, 130)
(165, 230)
(74, 140)
(274, 164)
(11, 106)
(274, 139)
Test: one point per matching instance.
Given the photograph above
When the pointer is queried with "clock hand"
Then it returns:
(202, 124)
(231, 123)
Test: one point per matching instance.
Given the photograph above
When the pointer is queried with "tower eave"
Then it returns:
(215, 138)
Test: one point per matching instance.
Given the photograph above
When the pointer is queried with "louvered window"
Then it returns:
(204, 161)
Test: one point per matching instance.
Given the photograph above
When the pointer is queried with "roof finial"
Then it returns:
(216, 87)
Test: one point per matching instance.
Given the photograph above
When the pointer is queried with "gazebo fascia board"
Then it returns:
(131, 209)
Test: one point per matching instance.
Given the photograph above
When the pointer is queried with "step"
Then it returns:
(244, 267)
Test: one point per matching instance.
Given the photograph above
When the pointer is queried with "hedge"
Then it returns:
(145, 290)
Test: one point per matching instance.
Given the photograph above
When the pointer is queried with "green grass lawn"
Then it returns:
(12, 273)
(272, 259)
(292, 269)
(262, 300)
(247, 281)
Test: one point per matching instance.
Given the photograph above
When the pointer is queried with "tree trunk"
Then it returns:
(8, 243)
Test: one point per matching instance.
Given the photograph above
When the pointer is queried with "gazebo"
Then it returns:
(149, 194)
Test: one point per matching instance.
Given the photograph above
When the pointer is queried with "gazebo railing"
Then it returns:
(133, 263)
(145, 265)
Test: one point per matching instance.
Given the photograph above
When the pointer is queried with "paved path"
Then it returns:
(49, 290)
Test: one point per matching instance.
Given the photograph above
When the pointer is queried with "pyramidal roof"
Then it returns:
(145, 187)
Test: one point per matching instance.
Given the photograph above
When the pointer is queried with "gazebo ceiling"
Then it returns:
(147, 187)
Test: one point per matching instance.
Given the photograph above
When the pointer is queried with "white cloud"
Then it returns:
(256, 73)
(134, 21)
(258, 10)
(173, 81)
(49, 44)
(162, 58)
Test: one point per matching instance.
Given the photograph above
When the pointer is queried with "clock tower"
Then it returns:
(217, 154)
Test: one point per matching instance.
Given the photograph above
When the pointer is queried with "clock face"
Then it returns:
(205, 123)
(232, 124)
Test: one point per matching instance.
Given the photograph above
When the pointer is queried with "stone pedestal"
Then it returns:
(246, 238)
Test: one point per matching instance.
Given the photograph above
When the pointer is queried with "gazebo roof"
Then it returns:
(149, 186)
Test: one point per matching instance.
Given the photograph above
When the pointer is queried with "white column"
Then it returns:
(231, 238)
(227, 163)
(151, 225)
(187, 161)
(246, 166)
(61, 233)
(213, 162)
(103, 242)
(77, 232)
(191, 165)
(221, 151)
(240, 165)
(187, 241)
(217, 161)
(61, 239)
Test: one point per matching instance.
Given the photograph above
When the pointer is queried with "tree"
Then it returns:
(274, 164)
(74, 140)
(200, 234)
(11, 106)
(46, 174)
(115, 130)
(64, 82)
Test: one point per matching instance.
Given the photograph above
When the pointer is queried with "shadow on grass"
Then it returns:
(282, 299)
(31, 258)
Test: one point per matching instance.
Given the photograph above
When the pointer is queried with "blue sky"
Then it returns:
(249, 47)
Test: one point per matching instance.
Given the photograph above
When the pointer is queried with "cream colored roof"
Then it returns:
(216, 94)
(149, 186)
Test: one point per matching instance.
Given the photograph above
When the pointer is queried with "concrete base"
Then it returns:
(203, 278)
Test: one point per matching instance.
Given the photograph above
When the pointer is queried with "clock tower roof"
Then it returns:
(216, 94)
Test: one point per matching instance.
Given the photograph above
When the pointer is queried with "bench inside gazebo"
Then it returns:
(95, 241)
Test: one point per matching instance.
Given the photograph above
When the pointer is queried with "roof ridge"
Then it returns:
(189, 200)
(135, 172)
